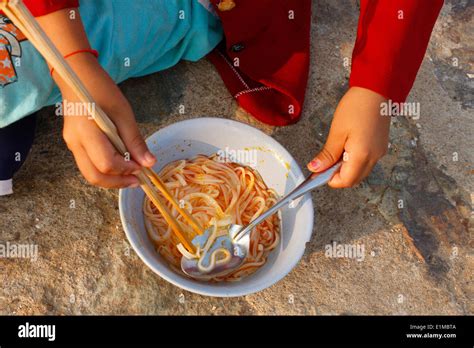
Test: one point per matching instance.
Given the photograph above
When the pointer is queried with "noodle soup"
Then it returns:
(215, 193)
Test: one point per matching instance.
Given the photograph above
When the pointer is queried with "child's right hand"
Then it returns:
(96, 157)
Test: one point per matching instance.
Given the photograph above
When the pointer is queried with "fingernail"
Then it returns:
(149, 157)
(315, 164)
(136, 172)
(134, 185)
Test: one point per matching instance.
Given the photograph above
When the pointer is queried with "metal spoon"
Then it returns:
(237, 241)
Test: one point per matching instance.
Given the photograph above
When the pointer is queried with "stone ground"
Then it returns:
(418, 258)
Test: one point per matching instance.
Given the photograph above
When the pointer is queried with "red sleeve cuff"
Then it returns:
(392, 38)
(43, 7)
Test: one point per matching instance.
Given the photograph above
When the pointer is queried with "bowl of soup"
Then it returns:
(243, 145)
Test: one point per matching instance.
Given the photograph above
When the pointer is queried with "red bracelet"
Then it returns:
(93, 52)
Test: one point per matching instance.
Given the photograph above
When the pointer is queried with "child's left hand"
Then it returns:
(359, 131)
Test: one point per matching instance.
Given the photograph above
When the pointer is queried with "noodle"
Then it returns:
(215, 194)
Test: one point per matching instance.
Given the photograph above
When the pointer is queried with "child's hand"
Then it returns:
(96, 157)
(361, 132)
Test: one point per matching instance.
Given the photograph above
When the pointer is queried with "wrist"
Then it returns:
(360, 111)
(366, 103)
(78, 52)
(85, 65)
(366, 95)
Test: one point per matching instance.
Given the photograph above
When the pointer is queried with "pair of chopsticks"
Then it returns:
(19, 14)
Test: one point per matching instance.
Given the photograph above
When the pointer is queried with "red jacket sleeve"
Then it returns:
(43, 7)
(392, 38)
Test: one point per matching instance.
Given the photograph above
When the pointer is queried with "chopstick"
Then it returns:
(174, 224)
(19, 14)
(155, 179)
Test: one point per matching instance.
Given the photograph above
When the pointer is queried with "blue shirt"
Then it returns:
(133, 38)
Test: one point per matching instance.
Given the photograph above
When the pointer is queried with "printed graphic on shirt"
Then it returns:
(10, 49)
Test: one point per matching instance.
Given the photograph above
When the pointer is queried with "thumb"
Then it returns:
(328, 156)
(135, 144)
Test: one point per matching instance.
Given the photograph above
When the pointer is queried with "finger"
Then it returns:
(330, 153)
(129, 132)
(96, 178)
(105, 157)
(352, 172)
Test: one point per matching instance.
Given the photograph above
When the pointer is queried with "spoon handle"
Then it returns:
(310, 183)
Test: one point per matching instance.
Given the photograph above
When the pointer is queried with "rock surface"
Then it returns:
(411, 215)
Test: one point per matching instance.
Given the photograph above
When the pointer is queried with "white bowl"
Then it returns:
(278, 169)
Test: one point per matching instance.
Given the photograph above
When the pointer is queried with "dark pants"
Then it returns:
(15, 144)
